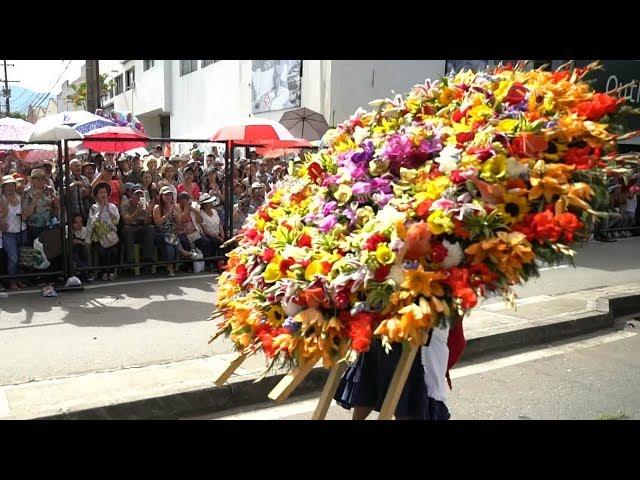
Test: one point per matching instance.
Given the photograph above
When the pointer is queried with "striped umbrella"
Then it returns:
(88, 127)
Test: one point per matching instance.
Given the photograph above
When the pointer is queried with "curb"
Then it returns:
(242, 391)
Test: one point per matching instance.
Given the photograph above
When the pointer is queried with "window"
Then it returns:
(208, 62)
(188, 66)
(130, 78)
(147, 64)
(118, 87)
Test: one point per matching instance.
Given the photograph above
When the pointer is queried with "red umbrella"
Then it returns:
(253, 131)
(108, 139)
(280, 147)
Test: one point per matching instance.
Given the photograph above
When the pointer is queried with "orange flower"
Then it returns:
(508, 251)
(419, 282)
(549, 180)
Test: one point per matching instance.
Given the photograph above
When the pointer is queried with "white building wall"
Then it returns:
(354, 83)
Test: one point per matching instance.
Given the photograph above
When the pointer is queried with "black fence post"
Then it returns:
(64, 208)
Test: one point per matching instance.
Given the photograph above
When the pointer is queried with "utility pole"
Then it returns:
(6, 92)
(93, 85)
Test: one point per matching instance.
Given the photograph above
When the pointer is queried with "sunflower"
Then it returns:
(514, 208)
(554, 151)
(276, 315)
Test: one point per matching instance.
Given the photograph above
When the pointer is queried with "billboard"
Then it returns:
(275, 85)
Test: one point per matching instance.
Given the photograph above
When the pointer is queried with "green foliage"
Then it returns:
(484, 226)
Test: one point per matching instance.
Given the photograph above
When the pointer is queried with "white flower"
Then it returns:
(360, 134)
(290, 308)
(396, 274)
(515, 169)
(448, 159)
(389, 216)
(455, 255)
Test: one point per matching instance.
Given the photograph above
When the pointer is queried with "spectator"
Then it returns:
(149, 188)
(80, 248)
(124, 166)
(47, 166)
(184, 160)
(166, 217)
(262, 176)
(14, 230)
(89, 171)
(5, 164)
(110, 159)
(157, 152)
(135, 175)
(240, 213)
(169, 178)
(40, 205)
(79, 191)
(116, 187)
(278, 173)
(190, 230)
(137, 215)
(102, 229)
(257, 196)
(239, 191)
(151, 166)
(189, 185)
(98, 160)
(211, 223)
(210, 161)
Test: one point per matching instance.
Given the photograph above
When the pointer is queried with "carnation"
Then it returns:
(455, 255)
(448, 159)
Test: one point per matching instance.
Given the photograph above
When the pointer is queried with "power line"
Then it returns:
(55, 83)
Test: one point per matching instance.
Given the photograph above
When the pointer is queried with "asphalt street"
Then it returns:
(112, 326)
(591, 377)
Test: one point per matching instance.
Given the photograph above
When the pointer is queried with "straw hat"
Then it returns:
(8, 179)
(101, 185)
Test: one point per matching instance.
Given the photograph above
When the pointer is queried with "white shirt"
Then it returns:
(631, 205)
(14, 219)
(435, 359)
(211, 223)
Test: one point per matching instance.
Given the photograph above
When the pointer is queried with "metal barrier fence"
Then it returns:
(63, 183)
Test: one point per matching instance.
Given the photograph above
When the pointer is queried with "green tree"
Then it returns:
(79, 95)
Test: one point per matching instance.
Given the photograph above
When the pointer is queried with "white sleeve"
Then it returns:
(435, 359)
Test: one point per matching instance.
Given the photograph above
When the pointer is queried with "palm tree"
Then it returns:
(79, 95)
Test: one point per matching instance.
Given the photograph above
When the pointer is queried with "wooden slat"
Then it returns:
(398, 381)
(291, 380)
(227, 371)
(329, 391)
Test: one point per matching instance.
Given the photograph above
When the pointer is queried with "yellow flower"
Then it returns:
(503, 89)
(494, 169)
(314, 268)
(384, 255)
(276, 315)
(507, 125)
(480, 111)
(439, 223)
(343, 194)
(436, 186)
(514, 208)
(272, 273)
(419, 282)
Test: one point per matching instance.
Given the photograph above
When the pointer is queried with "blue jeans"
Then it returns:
(12, 243)
(169, 252)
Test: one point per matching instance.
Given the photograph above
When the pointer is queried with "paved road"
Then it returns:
(137, 324)
(590, 377)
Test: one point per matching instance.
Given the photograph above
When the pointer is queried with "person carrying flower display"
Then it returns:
(414, 211)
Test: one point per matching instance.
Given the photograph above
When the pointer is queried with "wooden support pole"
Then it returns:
(291, 380)
(329, 391)
(226, 371)
(398, 381)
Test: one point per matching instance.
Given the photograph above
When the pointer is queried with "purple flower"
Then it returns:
(330, 180)
(329, 207)
(355, 170)
(410, 265)
(350, 213)
(397, 147)
(381, 184)
(382, 199)
(327, 223)
(430, 146)
(291, 324)
(361, 188)
(365, 156)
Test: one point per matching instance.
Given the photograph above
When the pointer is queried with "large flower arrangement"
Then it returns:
(415, 210)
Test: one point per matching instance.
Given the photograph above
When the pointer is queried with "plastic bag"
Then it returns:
(40, 261)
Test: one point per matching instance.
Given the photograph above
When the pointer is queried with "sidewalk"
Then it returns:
(174, 389)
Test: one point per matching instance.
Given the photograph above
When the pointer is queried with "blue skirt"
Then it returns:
(365, 384)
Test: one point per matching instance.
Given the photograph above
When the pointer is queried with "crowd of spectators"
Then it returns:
(124, 209)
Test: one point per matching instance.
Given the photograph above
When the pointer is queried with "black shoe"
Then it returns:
(606, 239)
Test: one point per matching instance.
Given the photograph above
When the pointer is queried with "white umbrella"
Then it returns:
(140, 151)
(14, 129)
(53, 133)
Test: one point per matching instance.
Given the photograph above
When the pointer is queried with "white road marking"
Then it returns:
(307, 406)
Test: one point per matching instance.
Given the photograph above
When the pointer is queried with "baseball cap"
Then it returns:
(166, 189)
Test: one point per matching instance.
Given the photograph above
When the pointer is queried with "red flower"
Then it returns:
(315, 171)
(359, 329)
(241, 274)
(315, 297)
(580, 157)
(468, 297)
(382, 273)
(483, 153)
(465, 137)
(423, 208)
(569, 223)
(304, 240)
(439, 253)
(558, 76)
(373, 241)
(601, 105)
(459, 230)
(285, 263)
(483, 275)
(516, 94)
(262, 213)
(545, 227)
(342, 298)
(268, 254)
(459, 114)
(253, 235)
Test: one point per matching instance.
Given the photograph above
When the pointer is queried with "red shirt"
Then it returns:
(456, 344)
(116, 194)
(195, 190)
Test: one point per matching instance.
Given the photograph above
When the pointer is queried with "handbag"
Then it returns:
(109, 239)
(194, 236)
(26, 257)
(171, 238)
